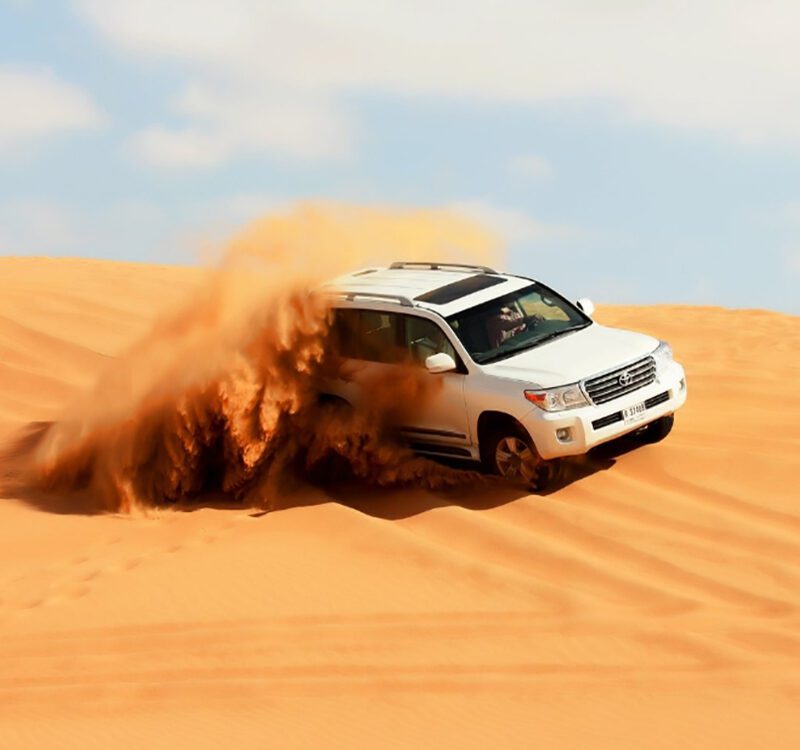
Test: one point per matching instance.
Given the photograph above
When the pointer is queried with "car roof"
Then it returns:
(444, 288)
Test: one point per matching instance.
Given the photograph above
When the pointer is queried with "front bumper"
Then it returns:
(575, 431)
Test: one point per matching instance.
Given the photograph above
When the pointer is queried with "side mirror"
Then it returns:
(440, 362)
(585, 304)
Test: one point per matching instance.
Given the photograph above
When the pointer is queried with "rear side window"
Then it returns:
(390, 338)
(367, 334)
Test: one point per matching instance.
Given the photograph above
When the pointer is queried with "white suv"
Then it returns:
(527, 377)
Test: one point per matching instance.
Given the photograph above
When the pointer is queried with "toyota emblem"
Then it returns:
(625, 378)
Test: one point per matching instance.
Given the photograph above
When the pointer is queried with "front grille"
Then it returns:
(611, 385)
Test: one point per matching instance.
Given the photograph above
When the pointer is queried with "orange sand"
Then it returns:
(652, 603)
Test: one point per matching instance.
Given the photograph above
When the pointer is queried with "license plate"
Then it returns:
(633, 414)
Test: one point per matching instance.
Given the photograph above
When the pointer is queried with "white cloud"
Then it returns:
(530, 166)
(36, 105)
(727, 66)
(229, 123)
(510, 225)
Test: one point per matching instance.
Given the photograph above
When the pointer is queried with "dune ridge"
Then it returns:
(652, 602)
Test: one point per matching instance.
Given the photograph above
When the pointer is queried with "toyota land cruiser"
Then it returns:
(527, 376)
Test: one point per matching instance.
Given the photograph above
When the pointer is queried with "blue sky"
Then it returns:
(630, 152)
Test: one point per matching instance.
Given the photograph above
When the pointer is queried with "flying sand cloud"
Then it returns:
(223, 394)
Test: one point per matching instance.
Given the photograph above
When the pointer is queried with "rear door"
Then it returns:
(369, 341)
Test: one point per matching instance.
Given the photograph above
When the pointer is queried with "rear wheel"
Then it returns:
(657, 430)
(512, 455)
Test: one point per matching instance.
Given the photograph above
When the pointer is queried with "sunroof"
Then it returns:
(458, 289)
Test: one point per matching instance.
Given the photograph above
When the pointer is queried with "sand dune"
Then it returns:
(653, 602)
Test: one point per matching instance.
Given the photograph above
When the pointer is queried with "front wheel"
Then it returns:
(657, 430)
(513, 456)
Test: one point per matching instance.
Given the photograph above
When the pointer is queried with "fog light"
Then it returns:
(564, 434)
(682, 385)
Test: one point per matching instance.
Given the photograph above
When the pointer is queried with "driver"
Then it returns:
(504, 324)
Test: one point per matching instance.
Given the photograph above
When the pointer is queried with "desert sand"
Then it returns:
(653, 602)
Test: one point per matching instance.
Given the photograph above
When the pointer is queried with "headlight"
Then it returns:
(557, 399)
(662, 355)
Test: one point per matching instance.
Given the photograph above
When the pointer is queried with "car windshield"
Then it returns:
(517, 321)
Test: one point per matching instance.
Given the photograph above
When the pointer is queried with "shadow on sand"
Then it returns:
(478, 492)
(482, 494)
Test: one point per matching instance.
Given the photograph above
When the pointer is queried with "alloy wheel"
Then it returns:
(515, 460)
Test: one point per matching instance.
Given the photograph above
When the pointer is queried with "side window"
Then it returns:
(342, 335)
(367, 334)
(423, 337)
(378, 336)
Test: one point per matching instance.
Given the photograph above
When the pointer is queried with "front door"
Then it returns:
(443, 419)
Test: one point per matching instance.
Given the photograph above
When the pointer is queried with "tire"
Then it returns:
(658, 430)
(510, 453)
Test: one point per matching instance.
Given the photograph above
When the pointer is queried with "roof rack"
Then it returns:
(399, 298)
(439, 266)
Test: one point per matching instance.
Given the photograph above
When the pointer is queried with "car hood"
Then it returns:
(574, 356)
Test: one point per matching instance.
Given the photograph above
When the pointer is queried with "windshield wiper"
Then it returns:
(531, 344)
(556, 334)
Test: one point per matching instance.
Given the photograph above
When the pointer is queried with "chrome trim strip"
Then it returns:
(433, 432)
